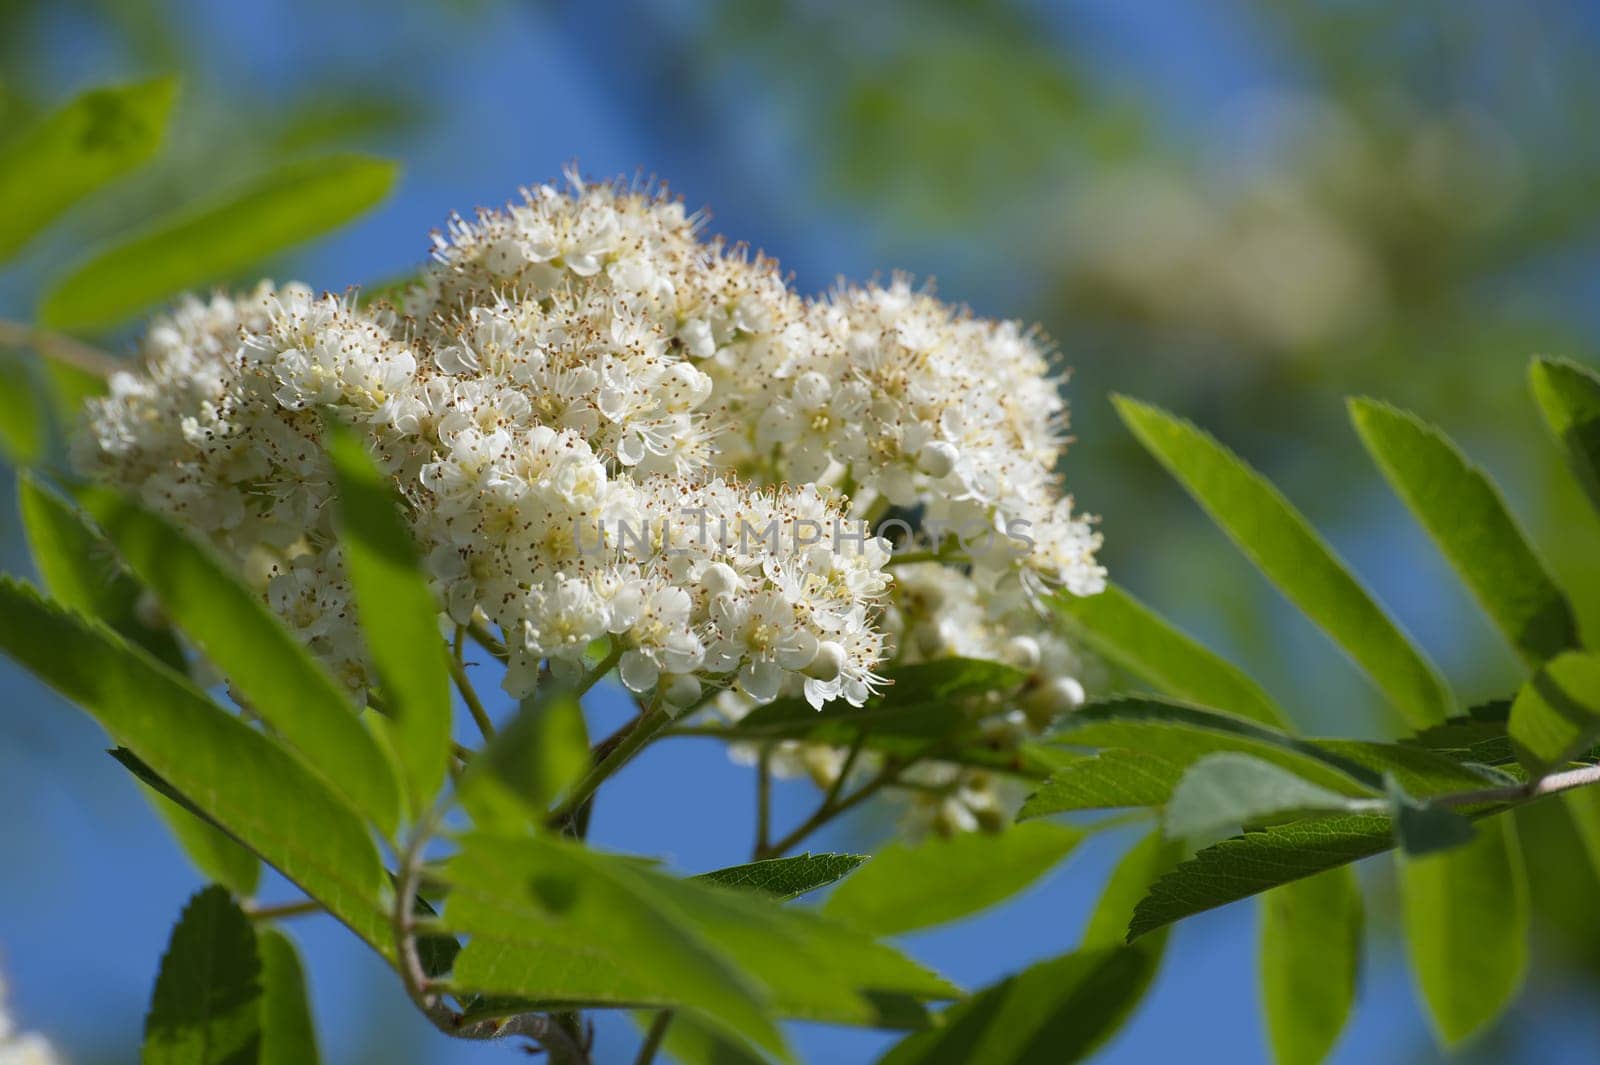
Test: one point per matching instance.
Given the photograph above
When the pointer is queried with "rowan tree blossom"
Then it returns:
(604, 426)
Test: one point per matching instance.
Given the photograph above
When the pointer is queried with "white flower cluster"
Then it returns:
(21, 1048)
(605, 427)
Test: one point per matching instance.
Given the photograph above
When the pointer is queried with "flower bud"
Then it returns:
(680, 690)
(937, 458)
(828, 663)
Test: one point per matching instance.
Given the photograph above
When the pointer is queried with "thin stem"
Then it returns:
(469, 695)
(1549, 784)
(764, 799)
(906, 558)
(485, 639)
(58, 346)
(653, 1038)
(827, 811)
(604, 666)
(282, 910)
(644, 729)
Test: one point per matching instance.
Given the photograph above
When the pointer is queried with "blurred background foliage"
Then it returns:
(1243, 211)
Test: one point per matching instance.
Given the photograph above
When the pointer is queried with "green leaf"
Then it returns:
(920, 701)
(215, 242)
(1153, 856)
(24, 433)
(1583, 806)
(97, 138)
(1466, 921)
(1133, 637)
(398, 614)
(206, 1007)
(540, 753)
(1181, 735)
(1061, 1010)
(553, 922)
(908, 887)
(254, 789)
(1569, 396)
(1112, 779)
(1556, 715)
(1053, 1013)
(1222, 791)
(1283, 545)
(691, 1041)
(787, 878)
(1466, 516)
(81, 571)
(1424, 828)
(213, 852)
(1310, 958)
(288, 1035)
(262, 660)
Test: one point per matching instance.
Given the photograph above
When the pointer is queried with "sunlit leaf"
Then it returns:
(399, 618)
(1466, 516)
(263, 661)
(1310, 958)
(541, 752)
(206, 1007)
(906, 887)
(1569, 396)
(1226, 790)
(1466, 921)
(550, 921)
(97, 138)
(215, 242)
(1062, 1010)
(288, 1035)
(257, 791)
(1556, 715)
(1283, 545)
(1132, 636)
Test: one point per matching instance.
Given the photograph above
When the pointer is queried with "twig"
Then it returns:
(653, 1038)
(60, 347)
(469, 695)
(282, 910)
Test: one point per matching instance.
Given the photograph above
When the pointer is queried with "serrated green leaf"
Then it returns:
(288, 1035)
(213, 243)
(552, 922)
(541, 752)
(1256, 861)
(787, 878)
(257, 791)
(262, 660)
(1179, 734)
(1227, 789)
(972, 871)
(1425, 828)
(1111, 779)
(1466, 516)
(1147, 860)
(1283, 545)
(1569, 397)
(1556, 715)
(1466, 922)
(399, 617)
(1062, 1010)
(1132, 636)
(206, 1007)
(95, 139)
(1310, 958)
